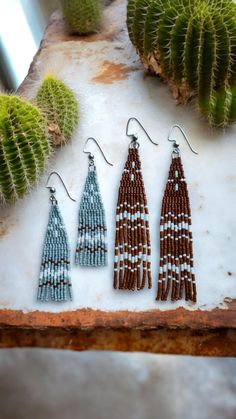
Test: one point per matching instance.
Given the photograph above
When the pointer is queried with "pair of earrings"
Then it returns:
(132, 264)
(91, 248)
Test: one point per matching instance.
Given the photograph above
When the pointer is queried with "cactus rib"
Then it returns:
(191, 44)
(24, 147)
(59, 106)
(82, 16)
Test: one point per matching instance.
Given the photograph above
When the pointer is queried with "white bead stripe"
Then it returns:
(177, 269)
(132, 217)
(182, 214)
(132, 259)
(177, 258)
(182, 236)
(176, 227)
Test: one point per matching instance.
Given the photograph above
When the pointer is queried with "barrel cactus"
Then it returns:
(59, 106)
(190, 44)
(82, 16)
(24, 147)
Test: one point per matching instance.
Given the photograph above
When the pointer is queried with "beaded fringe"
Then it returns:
(91, 249)
(54, 279)
(132, 265)
(176, 273)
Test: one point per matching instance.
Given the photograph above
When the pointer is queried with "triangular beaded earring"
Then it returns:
(54, 279)
(176, 272)
(132, 264)
(91, 249)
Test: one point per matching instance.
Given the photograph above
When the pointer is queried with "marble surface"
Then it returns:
(111, 85)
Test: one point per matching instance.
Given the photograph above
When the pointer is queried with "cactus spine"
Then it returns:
(59, 106)
(82, 16)
(24, 147)
(191, 44)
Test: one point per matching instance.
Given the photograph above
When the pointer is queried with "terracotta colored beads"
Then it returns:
(176, 274)
(132, 266)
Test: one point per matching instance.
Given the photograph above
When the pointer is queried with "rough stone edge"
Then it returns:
(89, 319)
(219, 342)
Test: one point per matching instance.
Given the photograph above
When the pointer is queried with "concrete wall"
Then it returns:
(40, 384)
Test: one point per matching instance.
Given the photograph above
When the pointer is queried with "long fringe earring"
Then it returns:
(91, 249)
(176, 272)
(54, 278)
(132, 263)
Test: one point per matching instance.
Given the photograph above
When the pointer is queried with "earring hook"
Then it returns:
(53, 190)
(134, 136)
(91, 156)
(176, 145)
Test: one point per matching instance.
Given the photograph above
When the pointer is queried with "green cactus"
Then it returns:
(24, 147)
(59, 106)
(191, 44)
(82, 16)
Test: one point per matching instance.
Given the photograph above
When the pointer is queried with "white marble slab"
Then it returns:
(105, 108)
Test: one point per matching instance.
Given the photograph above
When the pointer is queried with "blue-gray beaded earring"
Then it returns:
(91, 249)
(54, 279)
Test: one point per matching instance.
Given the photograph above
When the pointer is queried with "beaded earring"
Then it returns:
(54, 279)
(91, 249)
(176, 272)
(132, 263)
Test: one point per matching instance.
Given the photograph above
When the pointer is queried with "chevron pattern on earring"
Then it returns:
(132, 265)
(176, 274)
(54, 279)
(91, 249)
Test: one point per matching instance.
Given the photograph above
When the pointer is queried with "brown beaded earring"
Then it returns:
(132, 265)
(176, 273)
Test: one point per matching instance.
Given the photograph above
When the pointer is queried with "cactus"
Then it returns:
(82, 16)
(190, 44)
(59, 106)
(24, 147)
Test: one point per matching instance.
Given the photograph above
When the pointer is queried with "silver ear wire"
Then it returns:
(90, 155)
(53, 190)
(175, 144)
(134, 141)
